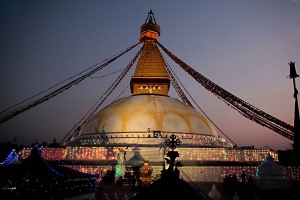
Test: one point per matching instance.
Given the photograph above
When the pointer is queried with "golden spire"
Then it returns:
(150, 75)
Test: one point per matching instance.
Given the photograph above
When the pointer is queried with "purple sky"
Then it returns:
(243, 46)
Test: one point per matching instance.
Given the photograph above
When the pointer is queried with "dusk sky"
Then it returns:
(243, 46)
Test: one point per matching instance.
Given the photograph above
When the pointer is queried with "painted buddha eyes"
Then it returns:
(155, 87)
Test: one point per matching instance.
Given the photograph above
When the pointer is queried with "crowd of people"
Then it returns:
(242, 185)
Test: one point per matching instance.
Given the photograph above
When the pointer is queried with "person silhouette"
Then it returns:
(243, 177)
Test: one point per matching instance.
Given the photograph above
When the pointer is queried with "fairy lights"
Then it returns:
(110, 153)
(105, 157)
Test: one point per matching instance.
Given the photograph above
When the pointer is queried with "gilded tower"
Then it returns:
(150, 76)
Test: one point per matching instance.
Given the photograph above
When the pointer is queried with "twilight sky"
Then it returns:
(243, 46)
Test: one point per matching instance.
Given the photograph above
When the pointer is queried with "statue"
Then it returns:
(214, 193)
(120, 167)
(146, 174)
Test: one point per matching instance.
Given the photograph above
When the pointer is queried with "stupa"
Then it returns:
(145, 119)
(141, 123)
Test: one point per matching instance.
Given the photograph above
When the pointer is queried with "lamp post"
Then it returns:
(173, 143)
(296, 144)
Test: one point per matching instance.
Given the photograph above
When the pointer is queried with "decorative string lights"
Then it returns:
(105, 158)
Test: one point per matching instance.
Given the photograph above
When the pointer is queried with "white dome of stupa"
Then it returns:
(139, 113)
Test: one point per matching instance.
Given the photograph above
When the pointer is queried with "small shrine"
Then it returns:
(270, 175)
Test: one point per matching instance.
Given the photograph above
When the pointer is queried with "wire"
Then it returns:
(244, 108)
(59, 83)
(202, 109)
(62, 89)
(87, 116)
(106, 74)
